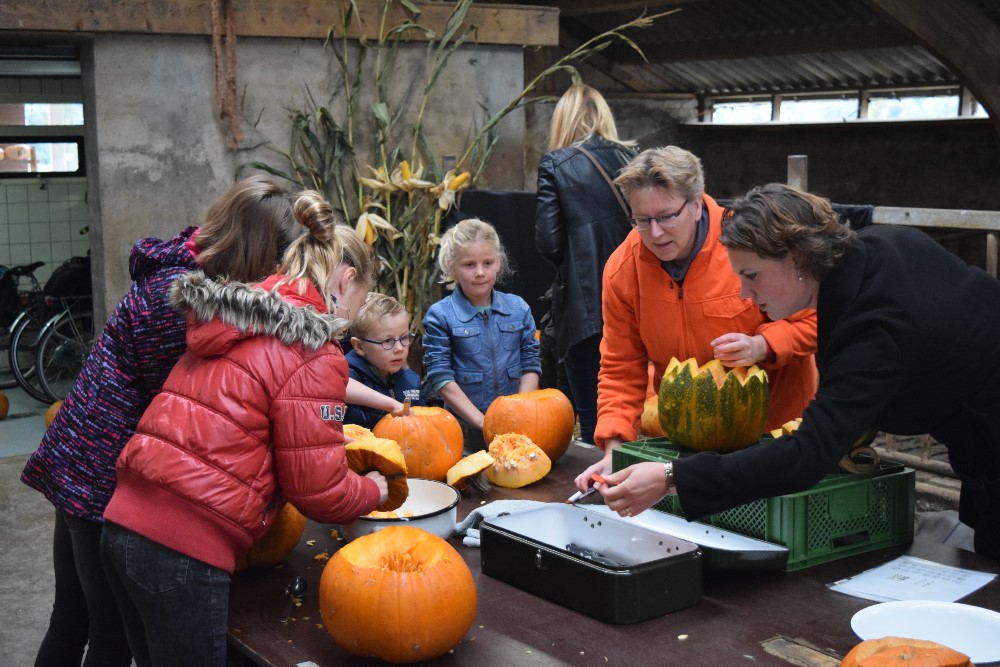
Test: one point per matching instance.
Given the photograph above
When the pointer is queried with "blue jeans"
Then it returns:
(176, 608)
(84, 613)
(582, 362)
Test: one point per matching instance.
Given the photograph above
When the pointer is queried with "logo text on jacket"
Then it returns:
(332, 413)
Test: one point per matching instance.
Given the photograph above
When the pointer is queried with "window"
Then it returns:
(41, 127)
(848, 105)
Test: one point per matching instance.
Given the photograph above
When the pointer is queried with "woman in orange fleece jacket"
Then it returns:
(669, 291)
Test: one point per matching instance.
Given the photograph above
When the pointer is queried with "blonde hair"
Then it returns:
(467, 233)
(580, 113)
(247, 230)
(316, 255)
(376, 308)
(672, 168)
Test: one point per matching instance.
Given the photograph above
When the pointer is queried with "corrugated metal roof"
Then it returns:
(899, 66)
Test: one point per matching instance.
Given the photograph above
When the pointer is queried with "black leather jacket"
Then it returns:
(578, 224)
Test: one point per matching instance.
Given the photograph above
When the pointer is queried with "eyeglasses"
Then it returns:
(389, 343)
(666, 221)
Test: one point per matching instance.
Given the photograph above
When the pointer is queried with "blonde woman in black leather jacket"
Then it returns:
(578, 224)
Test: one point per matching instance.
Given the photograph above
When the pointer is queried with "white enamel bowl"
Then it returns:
(431, 505)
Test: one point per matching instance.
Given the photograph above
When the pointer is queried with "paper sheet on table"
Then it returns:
(909, 578)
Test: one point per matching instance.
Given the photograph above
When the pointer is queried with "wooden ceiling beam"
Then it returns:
(818, 41)
(497, 23)
(589, 7)
(962, 36)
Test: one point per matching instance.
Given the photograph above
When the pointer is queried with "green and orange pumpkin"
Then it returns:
(711, 409)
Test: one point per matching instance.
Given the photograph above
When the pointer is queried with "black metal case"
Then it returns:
(602, 566)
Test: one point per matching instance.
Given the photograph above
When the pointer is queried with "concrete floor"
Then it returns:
(26, 589)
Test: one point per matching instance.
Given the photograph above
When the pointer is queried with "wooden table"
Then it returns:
(736, 617)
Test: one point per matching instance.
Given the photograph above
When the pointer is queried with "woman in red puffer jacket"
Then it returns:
(251, 417)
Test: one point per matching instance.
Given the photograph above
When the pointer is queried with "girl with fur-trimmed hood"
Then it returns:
(251, 417)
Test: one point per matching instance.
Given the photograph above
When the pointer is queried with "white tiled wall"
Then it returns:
(41, 221)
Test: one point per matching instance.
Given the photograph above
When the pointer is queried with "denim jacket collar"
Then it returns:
(466, 312)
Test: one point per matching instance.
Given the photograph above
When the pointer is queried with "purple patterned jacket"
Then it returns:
(74, 466)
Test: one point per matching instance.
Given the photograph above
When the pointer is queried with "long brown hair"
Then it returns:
(247, 230)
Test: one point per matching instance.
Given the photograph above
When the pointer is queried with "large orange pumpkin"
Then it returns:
(279, 541)
(429, 437)
(517, 461)
(401, 594)
(710, 408)
(544, 415)
(903, 652)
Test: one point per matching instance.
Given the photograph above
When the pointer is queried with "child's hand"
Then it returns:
(383, 486)
(396, 409)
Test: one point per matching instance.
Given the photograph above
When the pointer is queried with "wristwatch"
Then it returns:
(668, 473)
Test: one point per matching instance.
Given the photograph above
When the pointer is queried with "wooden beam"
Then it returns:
(588, 7)
(982, 221)
(497, 23)
(804, 41)
(962, 36)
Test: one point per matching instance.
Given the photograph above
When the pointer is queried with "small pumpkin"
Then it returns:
(544, 415)
(370, 453)
(517, 461)
(50, 414)
(279, 541)
(900, 651)
(649, 423)
(710, 408)
(470, 466)
(400, 594)
(429, 437)
(4, 406)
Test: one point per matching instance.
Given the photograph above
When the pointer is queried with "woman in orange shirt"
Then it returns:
(669, 291)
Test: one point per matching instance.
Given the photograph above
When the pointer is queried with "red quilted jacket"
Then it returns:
(251, 416)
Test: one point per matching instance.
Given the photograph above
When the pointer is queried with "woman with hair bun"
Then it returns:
(250, 417)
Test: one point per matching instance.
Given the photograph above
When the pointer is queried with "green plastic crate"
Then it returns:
(844, 514)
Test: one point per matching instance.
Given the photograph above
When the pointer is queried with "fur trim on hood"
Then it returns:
(253, 311)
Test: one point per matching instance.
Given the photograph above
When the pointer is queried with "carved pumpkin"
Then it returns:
(430, 438)
(401, 594)
(517, 461)
(903, 652)
(50, 414)
(370, 453)
(279, 541)
(710, 408)
(649, 423)
(544, 415)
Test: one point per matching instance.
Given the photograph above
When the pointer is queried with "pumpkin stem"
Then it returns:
(406, 408)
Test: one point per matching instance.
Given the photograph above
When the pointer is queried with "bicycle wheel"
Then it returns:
(63, 345)
(22, 352)
(7, 379)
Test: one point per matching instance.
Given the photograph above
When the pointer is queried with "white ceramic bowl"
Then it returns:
(432, 505)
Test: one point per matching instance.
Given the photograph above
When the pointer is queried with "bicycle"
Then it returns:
(63, 345)
(18, 353)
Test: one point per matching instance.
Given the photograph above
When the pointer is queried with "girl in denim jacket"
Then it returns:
(479, 342)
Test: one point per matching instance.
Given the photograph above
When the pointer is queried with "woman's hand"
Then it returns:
(634, 489)
(383, 486)
(585, 479)
(736, 349)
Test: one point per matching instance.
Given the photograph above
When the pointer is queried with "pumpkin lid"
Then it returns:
(370, 453)
(470, 466)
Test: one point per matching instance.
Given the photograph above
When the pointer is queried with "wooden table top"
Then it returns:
(742, 618)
